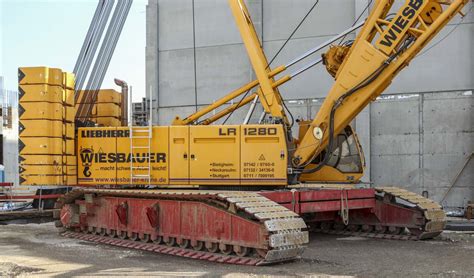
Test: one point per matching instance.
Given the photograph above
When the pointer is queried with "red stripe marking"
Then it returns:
(233, 260)
(253, 261)
(141, 246)
(213, 258)
(206, 256)
(221, 259)
(160, 249)
(243, 261)
(181, 252)
(198, 255)
(150, 247)
(167, 250)
(174, 251)
(189, 253)
(120, 243)
(129, 244)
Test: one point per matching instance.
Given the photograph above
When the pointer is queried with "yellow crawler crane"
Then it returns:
(240, 218)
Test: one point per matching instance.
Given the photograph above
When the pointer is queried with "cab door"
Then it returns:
(215, 155)
(179, 155)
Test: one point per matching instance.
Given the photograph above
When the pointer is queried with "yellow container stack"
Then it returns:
(46, 127)
(106, 108)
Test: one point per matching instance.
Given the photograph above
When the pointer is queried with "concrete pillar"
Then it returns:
(152, 57)
(362, 128)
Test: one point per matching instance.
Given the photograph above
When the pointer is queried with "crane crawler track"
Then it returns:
(284, 232)
(433, 223)
(435, 218)
(162, 249)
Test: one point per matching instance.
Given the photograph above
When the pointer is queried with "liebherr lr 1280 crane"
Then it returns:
(256, 192)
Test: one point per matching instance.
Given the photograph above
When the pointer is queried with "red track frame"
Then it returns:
(318, 205)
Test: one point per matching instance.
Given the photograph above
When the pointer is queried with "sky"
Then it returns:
(51, 32)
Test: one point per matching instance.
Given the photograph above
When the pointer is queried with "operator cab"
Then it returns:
(346, 162)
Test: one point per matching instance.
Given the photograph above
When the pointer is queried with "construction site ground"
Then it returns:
(38, 250)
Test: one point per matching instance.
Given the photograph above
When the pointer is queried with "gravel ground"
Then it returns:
(37, 250)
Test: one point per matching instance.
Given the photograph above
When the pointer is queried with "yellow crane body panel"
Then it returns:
(45, 128)
(68, 97)
(179, 155)
(71, 170)
(69, 80)
(46, 170)
(51, 180)
(40, 110)
(264, 155)
(69, 113)
(104, 121)
(106, 110)
(108, 121)
(106, 107)
(40, 93)
(105, 157)
(103, 96)
(214, 155)
(93, 150)
(45, 145)
(28, 159)
(40, 75)
(109, 96)
(157, 156)
(185, 155)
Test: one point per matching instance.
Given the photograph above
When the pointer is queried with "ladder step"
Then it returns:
(140, 137)
(140, 147)
(141, 167)
(141, 130)
(141, 176)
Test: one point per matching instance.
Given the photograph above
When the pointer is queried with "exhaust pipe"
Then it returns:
(124, 102)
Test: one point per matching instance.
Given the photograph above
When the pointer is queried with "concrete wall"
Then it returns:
(195, 55)
(422, 141)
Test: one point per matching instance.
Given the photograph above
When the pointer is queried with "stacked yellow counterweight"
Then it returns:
(106, 109)
(46, 127)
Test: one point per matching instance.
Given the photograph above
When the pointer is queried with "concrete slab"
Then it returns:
(397, 170)
(166, 115)
(440, 172)
(215, 24)
(176, 24)
(176, 78)
(315, 82)
(446, 112)
(395, 116)
(220, 70)
(395, 144)
(281, 17)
